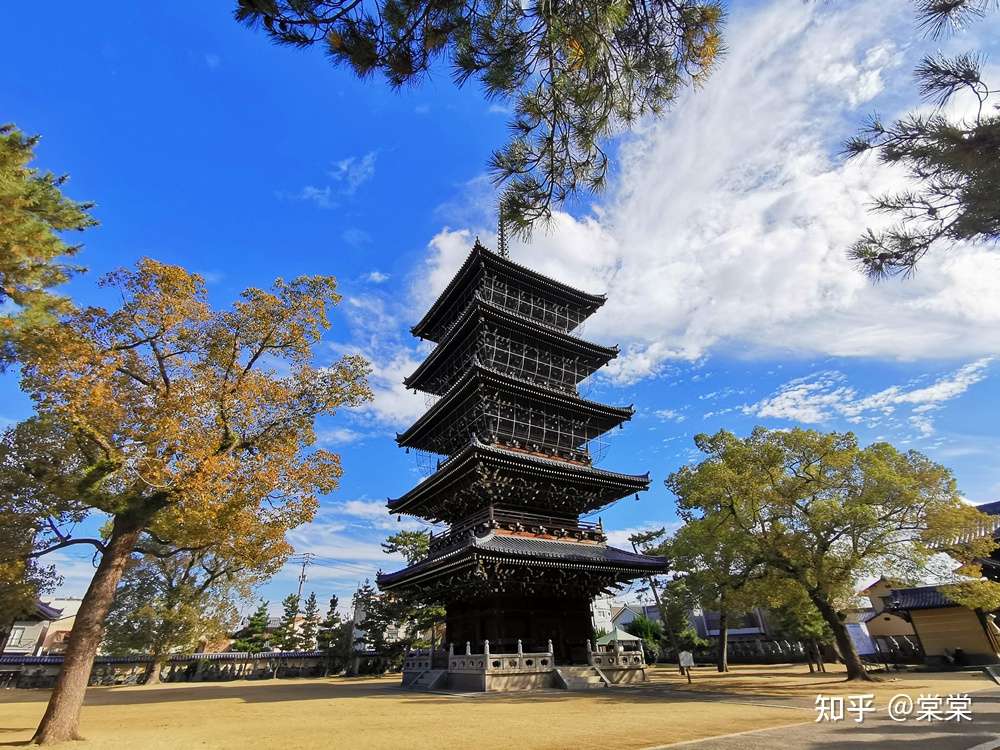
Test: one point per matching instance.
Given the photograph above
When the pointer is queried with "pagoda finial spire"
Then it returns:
(501, 235)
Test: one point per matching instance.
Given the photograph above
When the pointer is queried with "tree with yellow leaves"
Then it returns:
(190, 422)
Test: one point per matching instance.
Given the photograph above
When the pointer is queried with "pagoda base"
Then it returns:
(490, 672)
(535, 621)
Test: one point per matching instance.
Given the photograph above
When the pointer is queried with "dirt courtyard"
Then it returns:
(370, 713)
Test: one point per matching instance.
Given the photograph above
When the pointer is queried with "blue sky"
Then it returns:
(720, 240)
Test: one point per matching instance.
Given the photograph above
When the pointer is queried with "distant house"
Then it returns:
(949, 632)
(752, 624)
(880, 620)
(602, 610)
(45, 631)
(625, 613)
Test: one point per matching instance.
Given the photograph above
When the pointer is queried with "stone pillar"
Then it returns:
(486, 648)
(451, 649)
(468, 648)
(520, 649)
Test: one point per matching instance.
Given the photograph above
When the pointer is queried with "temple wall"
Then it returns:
(504, 619)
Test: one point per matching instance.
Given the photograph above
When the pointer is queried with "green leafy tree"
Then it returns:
(393, 624)
(173, 603)
(651, 632)
(647, 542)
(334, 638)
(719, 561)
(824, 512)
(38, 465)
(573, 72)
(954, 163)
(794, 617)
(33, 255)
(255, 638)
(413, 545)
(191, 425)
(310, 622)
(289, 635)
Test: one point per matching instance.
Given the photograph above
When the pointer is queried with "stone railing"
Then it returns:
(419, 659)
(617, 659)
(491, 663)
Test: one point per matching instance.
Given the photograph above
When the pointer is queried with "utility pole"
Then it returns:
(307, 559)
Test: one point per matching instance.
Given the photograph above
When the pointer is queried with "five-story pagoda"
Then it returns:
(517, 568)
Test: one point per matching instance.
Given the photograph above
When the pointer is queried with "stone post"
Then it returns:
(520, 649)
(486, 648)
(451, 649)
(468, 648)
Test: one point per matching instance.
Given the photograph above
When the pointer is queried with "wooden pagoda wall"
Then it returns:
(535, 619)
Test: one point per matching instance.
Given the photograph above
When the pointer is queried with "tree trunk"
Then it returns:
(154, 669)
(723, 661)
(855, 667)
(62, 717)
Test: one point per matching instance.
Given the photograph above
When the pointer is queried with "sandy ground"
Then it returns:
(367, 713)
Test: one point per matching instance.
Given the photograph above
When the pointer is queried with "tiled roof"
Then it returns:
(531, 551)
(566, 551)
(921, 597)
(480, 255)
(465, 461)
(45, 612)
(992, 509)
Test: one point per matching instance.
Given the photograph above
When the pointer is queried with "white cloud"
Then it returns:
(76, 570)
(826, 395)
(353, 172)
(728, 220)
(376, 330)
(322, 197)
(355, 237)
(670, 415)
(362, 508)
(376, 277)
(337, 436)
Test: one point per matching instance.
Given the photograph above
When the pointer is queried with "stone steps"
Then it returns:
(427, 680)
(581, 678)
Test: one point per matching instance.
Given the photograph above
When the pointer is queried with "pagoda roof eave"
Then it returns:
(480, 255)
(529, 552)
(466, 459)
(618, 414)
(480, 308)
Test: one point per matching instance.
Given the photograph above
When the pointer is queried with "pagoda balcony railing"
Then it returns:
(489, 662)
(492, 519)
(617, 656)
